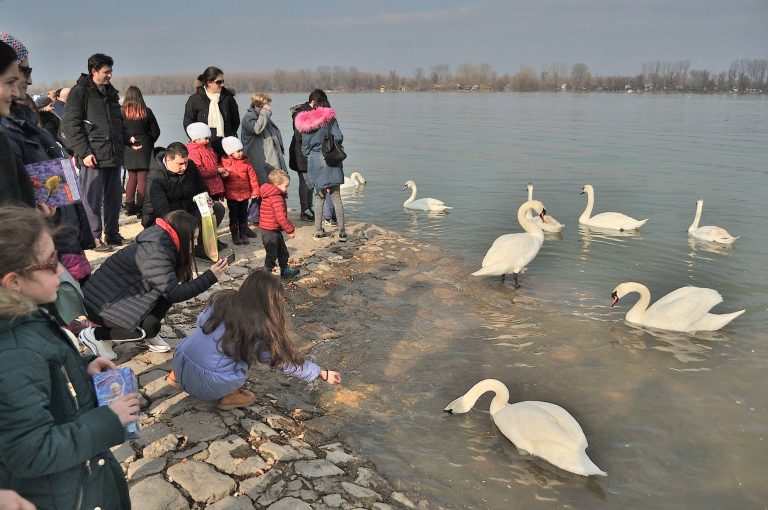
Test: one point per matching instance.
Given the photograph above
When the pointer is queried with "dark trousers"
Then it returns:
(274, 245)
(305, 192)
(108, 330)
(102, 193)
(238, 212)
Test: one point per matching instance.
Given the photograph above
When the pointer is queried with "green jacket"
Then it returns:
(54, 439)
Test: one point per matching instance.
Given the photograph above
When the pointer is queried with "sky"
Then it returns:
(149, 37)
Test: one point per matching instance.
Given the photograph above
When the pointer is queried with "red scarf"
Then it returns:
(174, 236)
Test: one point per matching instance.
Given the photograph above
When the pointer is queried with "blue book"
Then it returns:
(116, 383)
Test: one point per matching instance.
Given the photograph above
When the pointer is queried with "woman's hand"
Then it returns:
(330, 376)
(219, 267)
(126, 408)
(10, 500)
(100, 365)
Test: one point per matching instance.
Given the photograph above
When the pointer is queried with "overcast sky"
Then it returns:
(184, 37)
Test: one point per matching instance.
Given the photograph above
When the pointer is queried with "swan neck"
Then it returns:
(696, 218)
(590, 204)
(525, 221)
(500, 399)
(413, 194)
(636, 312)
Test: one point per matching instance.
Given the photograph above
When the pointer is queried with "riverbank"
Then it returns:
(284, 451)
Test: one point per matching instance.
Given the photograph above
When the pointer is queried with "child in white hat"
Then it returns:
(205, 158)
(240, 185)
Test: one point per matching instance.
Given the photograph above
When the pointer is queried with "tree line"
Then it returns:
(743, 76)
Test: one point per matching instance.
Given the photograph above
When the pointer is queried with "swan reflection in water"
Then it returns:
(708, 246)
(603, 236)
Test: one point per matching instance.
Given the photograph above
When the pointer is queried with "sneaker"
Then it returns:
(238, 398)
(101, 247)
(114, 239)
(97, 347)
(138, 335)
(290, 272)
(330, 222)
(320, 235)
(307, 215)
(157, 344)
(343, 237)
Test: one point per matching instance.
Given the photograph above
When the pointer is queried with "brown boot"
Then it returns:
(238, 398)
(171, 379)
(244, 233)
(235, 231)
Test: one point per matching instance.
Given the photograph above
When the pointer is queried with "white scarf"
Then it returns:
(215, 120)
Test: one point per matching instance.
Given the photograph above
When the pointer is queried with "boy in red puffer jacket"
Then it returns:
(205, 158)
(273, 218)
(240, 184)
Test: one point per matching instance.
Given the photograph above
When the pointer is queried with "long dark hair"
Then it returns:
(134, 107)
(7, 57)
(184, 224)
(320, 98)
(254, 321)
(210, 74)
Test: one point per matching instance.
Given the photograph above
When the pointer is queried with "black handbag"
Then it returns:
(333, 152)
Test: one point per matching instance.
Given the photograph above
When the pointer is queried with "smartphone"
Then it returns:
(231, 258)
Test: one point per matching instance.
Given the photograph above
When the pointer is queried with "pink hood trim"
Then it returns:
(312, 120)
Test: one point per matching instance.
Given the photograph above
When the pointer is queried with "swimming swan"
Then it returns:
(609, 220)
(422, 204)
(708, 233)
(685, 309)
(510, 253)
(550, 224)
(354, 181)
(539, 428)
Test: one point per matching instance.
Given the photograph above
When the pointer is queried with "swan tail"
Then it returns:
(713, 322)
(492, 270)
(589, 468)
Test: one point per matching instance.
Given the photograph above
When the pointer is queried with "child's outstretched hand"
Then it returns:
(292, 236)
(126, 408)
(330, 376)
(100, 365)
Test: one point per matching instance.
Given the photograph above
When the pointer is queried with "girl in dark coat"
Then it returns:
(135, 287)
(144, 130)
(215, 105)
(54, 440)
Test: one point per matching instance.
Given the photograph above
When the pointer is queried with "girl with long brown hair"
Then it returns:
(237, 329)
(144, 130)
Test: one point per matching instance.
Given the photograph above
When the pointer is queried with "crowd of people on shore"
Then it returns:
(58, 316)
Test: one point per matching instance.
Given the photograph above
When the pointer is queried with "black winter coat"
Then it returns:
(146, 131)
(54, 439)
(129, 284)
(15, 185)
(296, 159)
(93, 123)
(167, 191)
(196, 110)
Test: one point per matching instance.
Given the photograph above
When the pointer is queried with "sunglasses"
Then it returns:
(51, 265)
(26, 71)
(217, 82)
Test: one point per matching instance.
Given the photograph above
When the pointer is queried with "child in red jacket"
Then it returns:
(240, 184)
(205, 158)
(273, 218)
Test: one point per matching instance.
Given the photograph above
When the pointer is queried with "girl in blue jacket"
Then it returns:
(238, 329)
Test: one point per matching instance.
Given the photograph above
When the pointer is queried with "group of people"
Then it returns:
(54, 439)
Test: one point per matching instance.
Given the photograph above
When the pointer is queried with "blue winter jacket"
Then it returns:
(207, 373)
(314, 126)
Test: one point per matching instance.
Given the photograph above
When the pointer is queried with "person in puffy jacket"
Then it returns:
(240, 185)
(54, 438)
(273, 220)
(237, 329)
(206, 159)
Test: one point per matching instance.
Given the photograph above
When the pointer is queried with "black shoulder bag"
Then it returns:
(333, 152)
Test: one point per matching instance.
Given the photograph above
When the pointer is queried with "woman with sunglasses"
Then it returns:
(54, 439)
(214, 105)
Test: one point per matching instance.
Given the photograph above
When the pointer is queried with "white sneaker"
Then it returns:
(138, 335)
(157, 344)
(97, 347)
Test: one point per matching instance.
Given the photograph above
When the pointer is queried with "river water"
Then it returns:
(677, 420)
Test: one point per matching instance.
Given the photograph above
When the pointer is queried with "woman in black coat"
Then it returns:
(214, 105)
(136, 286)
(142, 126)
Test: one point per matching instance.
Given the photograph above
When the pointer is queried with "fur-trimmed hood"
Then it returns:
(14, 304)
(312, 120)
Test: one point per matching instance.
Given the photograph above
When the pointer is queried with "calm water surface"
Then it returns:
(677, 421)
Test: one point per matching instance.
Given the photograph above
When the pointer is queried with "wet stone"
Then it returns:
(155, 493)
(360, 492)
(370, 479)
(201, 481)
(336, 454)
(199, 426)
(234, 456)
(143, 468)
(401, 498)
(327, 427)
(316, 468)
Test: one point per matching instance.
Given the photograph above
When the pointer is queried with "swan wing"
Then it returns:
(512, 251)
(682, 307)
(713, 234)
(615, 221)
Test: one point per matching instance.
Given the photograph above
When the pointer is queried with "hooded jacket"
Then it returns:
(196, 110)
(54, 439)
(262, 142)
(314, 126)
(241, 183)
(129, 284)
(167, 191)
(207, 163)
(93, 123)
(273, 213)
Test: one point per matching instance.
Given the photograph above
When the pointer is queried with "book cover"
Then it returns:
(208, 223)
(116, 383)
(54, 181)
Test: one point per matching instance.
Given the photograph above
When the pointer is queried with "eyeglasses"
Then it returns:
(217, 82)
(51, 265)
(26, 71)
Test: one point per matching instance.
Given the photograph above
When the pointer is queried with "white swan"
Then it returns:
(422, 204)
(709, 232)
(354, 181)
(549, 223)
(685, 309)
(510, 253)
(539, 428)
(610, 220)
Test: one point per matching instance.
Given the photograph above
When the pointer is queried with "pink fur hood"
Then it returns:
(312, 120)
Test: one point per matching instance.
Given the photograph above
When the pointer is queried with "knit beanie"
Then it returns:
(198, 130)
(231, 144)
(18, 46)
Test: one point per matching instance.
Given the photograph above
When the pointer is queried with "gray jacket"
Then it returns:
(262, 142)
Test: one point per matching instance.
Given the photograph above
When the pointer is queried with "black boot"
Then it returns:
(248, 232)
(130, 208)
(235, 230)
(244, 233)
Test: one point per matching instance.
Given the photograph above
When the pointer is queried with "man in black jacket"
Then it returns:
(93, 129)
